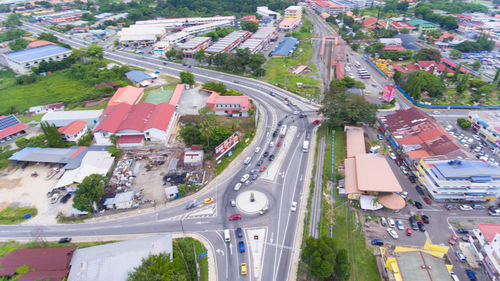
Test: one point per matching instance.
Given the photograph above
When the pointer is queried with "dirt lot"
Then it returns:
(20, 189)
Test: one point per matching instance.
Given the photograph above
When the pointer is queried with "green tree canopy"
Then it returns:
(159, 268)
(95, 51)
(340, 108)
(428, 54)
(52, 134)
(320, 256)
(89, 191)
(455, 54)
(13, 20)
(187, 77)
(218, 87)
(249, 26)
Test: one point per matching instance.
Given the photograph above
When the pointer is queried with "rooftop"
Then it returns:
(215, 98)
(287, 22)
(137, 76)
(355, 141)
(489, 230)
(475, 170)
(39, 43)
(227, 41)
(73, 127)
(194, 42)
(128, 94)
(10, 125)
(37, 53)
(373, 173)
(421, 266)
(423, 23)
(286, 47)
(75, 114)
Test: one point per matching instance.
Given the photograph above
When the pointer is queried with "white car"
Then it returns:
(245, 177)
(294, 206)
(404, 194)
(392, 233)
(465, 207)
(391, 223)
(247, 160)
(257, 149)
(403, 169)
(393, 156)
(271, 144)
(237, 186)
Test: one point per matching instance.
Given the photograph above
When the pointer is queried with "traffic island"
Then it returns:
(251, 201)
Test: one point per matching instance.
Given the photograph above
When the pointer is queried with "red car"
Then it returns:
(427, 200)
(278, 144)
(263, 168)
(453, 240)
(235, 217)
(316, 122)
(408, 231)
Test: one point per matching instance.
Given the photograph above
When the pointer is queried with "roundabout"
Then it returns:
(251, 201)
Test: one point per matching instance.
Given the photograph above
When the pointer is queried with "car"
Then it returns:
(233, 203)
(413, 223)
(404, 194)
(296, 112)
(263, 211)
(235, 217)
(399, 224)
(237, 186)
(466, 238)
(383, 221)
(392, 233)
(315, 122)
(265, 154)
(241, 246)
(418, 205)
(302, 115)
(208, 200)
(427, 200)
(404, 170)
(390, 222)
(453, 240)
(463, 231)
(259, 162)
(190, 205)
(247, 160)
(245, 177)
(254, 176)
(275, 133)
(278, 144)
(257, 149)
(262, 168)
(492, 208)
(408, 231)
(239, 232)
(460, 256)
(425, 219)
(471, 275)
(465, 207)
(392, 156)
(253, 171)
(478, 207)
(421, 226)
(419, 190)
(494, 213)
(450, 207)
(65, 240)
(65, 198)
(243, 269)
(271, 144)
(271, 157)
(379, 136)
(294, 206)
(377, 242)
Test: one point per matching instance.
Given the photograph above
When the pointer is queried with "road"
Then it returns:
(280, 223)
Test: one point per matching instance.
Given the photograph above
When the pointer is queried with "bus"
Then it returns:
(283, 131)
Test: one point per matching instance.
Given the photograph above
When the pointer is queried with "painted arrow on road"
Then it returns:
(220, 251)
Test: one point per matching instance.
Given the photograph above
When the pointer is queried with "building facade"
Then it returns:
(488, 236)
(234, 106)
(22, 61)
(487, 125)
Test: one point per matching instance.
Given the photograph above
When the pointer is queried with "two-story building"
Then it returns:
(234, 106)
(73, 131)
(487, 125)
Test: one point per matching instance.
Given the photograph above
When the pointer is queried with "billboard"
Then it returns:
(389, 93)
(226, 145)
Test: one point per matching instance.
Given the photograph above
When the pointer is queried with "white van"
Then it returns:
(227, 237)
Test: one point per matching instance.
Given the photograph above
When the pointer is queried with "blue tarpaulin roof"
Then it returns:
(37, 53)
(286, 47)
(137, 76)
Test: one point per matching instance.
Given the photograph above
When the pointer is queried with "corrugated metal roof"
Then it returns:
(37, 53)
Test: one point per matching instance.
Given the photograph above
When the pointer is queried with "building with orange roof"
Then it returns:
(40, 43)
(129, 94)
(73, 131)
(234, 106)
(288, 24)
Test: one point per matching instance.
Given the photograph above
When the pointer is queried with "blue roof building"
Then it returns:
(139, 78)
(286, 47)
(460, 179)
(22, 61)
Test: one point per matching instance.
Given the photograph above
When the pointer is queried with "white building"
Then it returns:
(192, 46)
(122, 200)
(488, 236)
(183, 22)
(22, 61)
(187, 32)
(141, 34)
(73, 131)
(265, 12)
(39, 109)
(487, 125)
(293, 12)
(171, 192)
(63, 118)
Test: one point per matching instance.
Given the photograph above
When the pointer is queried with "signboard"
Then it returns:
(389, 93)
(225, 146)
(202, 255)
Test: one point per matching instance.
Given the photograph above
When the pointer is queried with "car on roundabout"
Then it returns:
(245, 177)
(235, 217)
(208, 200)
(238, 186)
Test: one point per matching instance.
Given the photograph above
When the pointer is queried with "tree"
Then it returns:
(18, 44)
(179, 55)
(159, 268)
(13, 20)
(463, 83)
(218, 87)
(428, 54)
(207, 123)
(200, 55)
(320, 256)
(340, 108)
(405, 30)
(89, 192)
(190, 135)
(95, 51)
(88, 17)
(170, 53)
(48, 37)
(187, 77)
(342, 266)
(249, 26)
(455, 54)
(497, 75)
(53, 136)
(476, 65)
(462, 122)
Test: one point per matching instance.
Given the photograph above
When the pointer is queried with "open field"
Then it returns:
(14, 215)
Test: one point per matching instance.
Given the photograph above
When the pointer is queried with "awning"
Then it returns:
(392, 201)
(368, 202)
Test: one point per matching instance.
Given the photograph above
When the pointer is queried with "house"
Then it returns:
(139, 78)
(133, 123)
(73, 131)
(39, 109)
(63, 118)
(423, 26)
(446, 37)
(43, 263)
(10, 125)
(193, 158)
(427, 66)
(130, 95)
(234, 106)
(288, 24)
(172, 192)
(399, 25)
(22, 61)
(372, 23)
(122, 200)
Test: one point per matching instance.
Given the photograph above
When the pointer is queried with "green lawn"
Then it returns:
(277, 71)
(53, 88)
(185, 246)
(452, 97)
(7, 247)
(7, 79)
(14, 215)
(347, 230)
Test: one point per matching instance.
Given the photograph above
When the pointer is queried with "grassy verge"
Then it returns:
(14, 215)
(27, 118)
(347, 223)
(7, 247)
(7, 79)
(183, 247)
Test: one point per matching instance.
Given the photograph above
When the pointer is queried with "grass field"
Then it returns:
(347, 230)
(53, 88)
(7, 247)
(158, 96)
(7, 79)
(14, 215)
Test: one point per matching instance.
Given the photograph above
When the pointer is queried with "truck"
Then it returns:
(283, 131)
(305, 146)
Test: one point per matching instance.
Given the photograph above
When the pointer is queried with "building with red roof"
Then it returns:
(488, 236)
(399, 68)
(73, 131)
(339, 70)
(44, 263)
(10, 125)
(454, 65)
(399, 25)
(128, 94)
(234, 106)
(394, 48)
(412, 67)
(149, 121)
(426, 65)
(39, 43)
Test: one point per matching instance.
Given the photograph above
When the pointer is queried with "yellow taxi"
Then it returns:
(208, 200)
(243, 269)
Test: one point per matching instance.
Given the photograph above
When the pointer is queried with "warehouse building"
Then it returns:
(260, 39)
(228, 43)
(265, 12)
(141, 34)
(22, 61)
(192, 46)
(188, 32)
(63, 118)
(286, 47)
(183, 22)
(10, 125)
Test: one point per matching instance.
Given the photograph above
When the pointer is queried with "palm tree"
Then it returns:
(375, 201)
